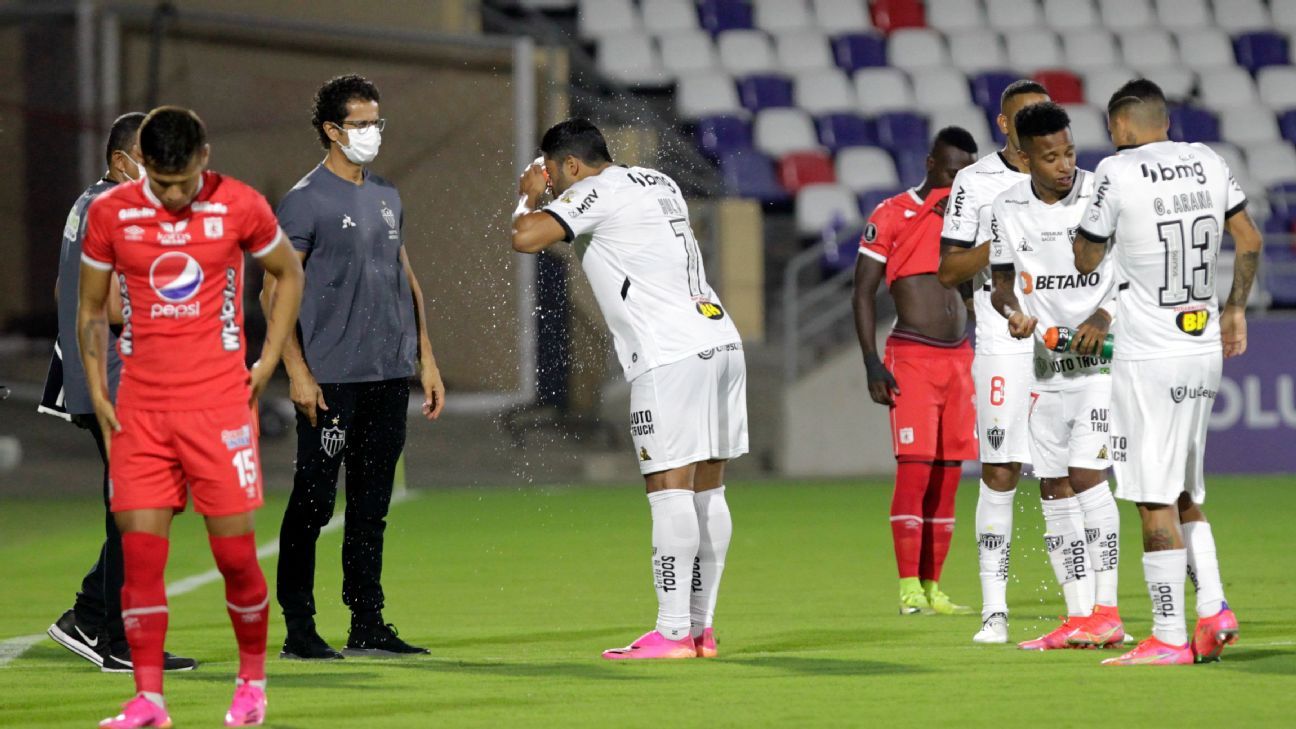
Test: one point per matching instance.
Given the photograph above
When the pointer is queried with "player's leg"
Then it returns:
(1217, 626)
(915, 419)
(233, 545)
(955, 442)
(715, 529)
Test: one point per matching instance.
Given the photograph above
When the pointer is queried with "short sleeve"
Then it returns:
(96, 248)
(985, 224)
(582, 207)
(1000, 251)
(297, 218)
(879, 235)
(962, 214)
(1237, 200)
(1099, 221)
(260, 230)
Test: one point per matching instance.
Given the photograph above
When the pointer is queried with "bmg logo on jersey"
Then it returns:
(1167, 173)
(175, 278)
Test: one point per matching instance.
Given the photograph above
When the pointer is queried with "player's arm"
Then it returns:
(1246, 259)
(429, 375)
(1088, 252)
(868, 276)
(114, 305)
(534, 229)
(282, 263)
(293, 359)
(92, 339)
(960, 263)
(1004, 298)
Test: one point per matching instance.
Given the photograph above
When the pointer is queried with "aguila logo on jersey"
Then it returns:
(175, 278)
(173, 234)
(996, 437)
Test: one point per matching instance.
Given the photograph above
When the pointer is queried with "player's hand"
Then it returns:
(1090, 335)
(1233, 330)
(433, 391)
(534, 181)
(106, 414)
(306, 395)
(258, 377)
(1021, 326)
(881, 383)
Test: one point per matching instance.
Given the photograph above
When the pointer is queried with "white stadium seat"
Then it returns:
(1101, 83)
(952, 15)
(973, 51)
(777, 132)
(1221, 88)
(775, 15)
(548, 4)
(706, 94)
(911, 48)
(631, 58)
(601, 17)
(1246, 125)
(1183, 14)
(935, 88)
(800, 50)
(823, 90)
(666, 16)
(866, 168)
(842, 16)
(745, 51)
(1205, 48)
(1123, 15)
(1277, 85)
(1241, 171)
(1284, 14)
(1088, 126)
(1176, 82)
(883, 89)
(1032, 50)
(1088, 48)
(1271, 162)
(1069, 15)
(1013, 15)
(688, 51)
(1148, 48)
(823, 205)
(971, 118)
(1239, 16)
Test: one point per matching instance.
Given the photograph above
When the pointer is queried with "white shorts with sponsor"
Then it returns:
(1070, 428)
(1160, 411)
(1002, 398)
(691, 410)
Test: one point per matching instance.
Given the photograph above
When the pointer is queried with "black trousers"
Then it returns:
(364, 427)
(99, 601)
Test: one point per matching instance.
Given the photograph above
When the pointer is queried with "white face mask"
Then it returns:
(364, 145)
(139, 169)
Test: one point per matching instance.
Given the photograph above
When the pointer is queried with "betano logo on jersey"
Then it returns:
(1058, 282)
(175, 278)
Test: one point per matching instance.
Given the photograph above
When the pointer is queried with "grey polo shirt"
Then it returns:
(357, 314)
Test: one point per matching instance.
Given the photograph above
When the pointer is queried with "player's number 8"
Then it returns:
(996, 391)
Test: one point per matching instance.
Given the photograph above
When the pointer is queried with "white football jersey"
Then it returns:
(631, 231)
(967, 223)
(1035, 239)
(1163, 206)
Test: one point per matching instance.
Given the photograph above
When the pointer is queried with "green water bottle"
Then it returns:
(1059, 339)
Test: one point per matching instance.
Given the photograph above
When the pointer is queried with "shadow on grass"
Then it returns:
(804, 640)
(811, 666)
(342, 677)
(546, 636)
(1281, 661)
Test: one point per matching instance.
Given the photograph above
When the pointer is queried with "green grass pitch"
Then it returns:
(517, 591)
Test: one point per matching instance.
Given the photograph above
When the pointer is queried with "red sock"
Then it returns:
(144, 605)
(938, 519)
(912, 478)
(247, 600)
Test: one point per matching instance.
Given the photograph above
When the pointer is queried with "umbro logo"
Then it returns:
(347, 222)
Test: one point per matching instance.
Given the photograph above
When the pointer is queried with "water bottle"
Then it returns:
(1059, 339)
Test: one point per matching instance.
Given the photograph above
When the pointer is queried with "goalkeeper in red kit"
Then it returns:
(925, 378)
(183, 424)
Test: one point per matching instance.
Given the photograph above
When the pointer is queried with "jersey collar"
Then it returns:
(148, 191)
(913, 194)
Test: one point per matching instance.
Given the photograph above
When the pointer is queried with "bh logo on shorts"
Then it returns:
(175, 277)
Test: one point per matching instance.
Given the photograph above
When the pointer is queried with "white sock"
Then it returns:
(156, 698)
(1064, 539)
(675, 545)
(1102, 534)
(1203, 567)
(258, 682)
(1165, 572)
(715, 529)
(994, 522)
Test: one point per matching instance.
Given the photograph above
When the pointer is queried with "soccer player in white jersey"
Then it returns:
(681, 354)
(1160, 206)
(1001, 369)
(1036, 286)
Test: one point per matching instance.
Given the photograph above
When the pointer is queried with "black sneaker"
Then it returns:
(378, 639)
(81, 639)
(118, 660)
(305, 644)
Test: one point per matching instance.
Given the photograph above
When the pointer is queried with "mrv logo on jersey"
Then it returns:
(1167, 173)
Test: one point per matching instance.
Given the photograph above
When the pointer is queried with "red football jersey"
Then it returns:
(904, 233)
(181, 274)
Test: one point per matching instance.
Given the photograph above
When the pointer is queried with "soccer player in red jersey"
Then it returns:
(184, 421)
(926, 379)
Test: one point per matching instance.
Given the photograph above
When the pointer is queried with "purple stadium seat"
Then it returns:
(1259, 49)
(1193, 124)
(846, 130)
(992, 120)
(1276, 226)
(719, 134)
(1088, 159)
(859, 50)
(721, 15)
(1282, 201)
(842, 255)
(764, 91)
(911, 164)
(870, 199)
(748, 173)
(902, 129)
(1280, 271)
(988, 87)
(1287, 124)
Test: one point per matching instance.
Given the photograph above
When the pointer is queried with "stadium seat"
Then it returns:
(825, 90)
(846, 130)
(777, 132)
(914, 48)
(798, 169)
(1031, 51)
(1271, 162)
(764, 91)
(1284, 14)
(1101, 83)
(1279, 272)
(1247, 125)
(1241, 172)
(954, 15)
(1148, 48)
(1260, 49)
(687, 51)
(1204, 48)
(1088, 48)
(1282, 203)
(548, 5)
(1126, 15)
(1070, 15)
(902, 129)
(718, 135)
(800, 50)
(1088, 126)
(935, 88)
(1183, 14)
(911, 165)
(854, 51)
(780, 15)
(969, 117)
(1287, 125)
(841, 16)
(825, 206)
(596, 18)
(866, 168)
(717, 16)
(745, 51)
(1088, 159)
(870, 199)
(706, 94)
(1240, 16)
(668, 16)
(1193, 124)
(748, 173)
(1277, 87)
(882, 89)
(892, 15)
(1178, 83)
(1222, 88)
(631, 58)
(1013, 15)
(988, 87)
(1063, 86)
(973, 51)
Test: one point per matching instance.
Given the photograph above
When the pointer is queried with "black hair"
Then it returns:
(1019, 87)
(957, 137)
(1040, 120)
(578, 138)
(169, 138)
(121, 137)
(1135, 91)
(332, 98)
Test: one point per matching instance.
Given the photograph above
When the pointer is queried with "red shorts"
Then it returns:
(161, 456)
(934, 417)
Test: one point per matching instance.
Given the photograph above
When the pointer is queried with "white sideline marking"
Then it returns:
(13, 648)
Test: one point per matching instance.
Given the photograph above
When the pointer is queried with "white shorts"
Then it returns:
(1160, 411)
(1070, 428)
(1002, 384)
(691, 410)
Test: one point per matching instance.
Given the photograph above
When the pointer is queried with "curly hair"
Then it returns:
(332, 98)
(1041, 120)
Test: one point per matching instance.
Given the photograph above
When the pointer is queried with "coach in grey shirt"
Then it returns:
(362, 335)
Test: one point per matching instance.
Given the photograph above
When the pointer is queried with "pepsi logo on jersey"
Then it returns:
(175, 278)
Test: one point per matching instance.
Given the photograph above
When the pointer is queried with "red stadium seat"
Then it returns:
(798, 169)
(1063, 86)
(889, 15)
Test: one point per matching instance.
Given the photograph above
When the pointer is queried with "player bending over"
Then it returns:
(184, 421)
(1036, 286)
(680, 352)
(1162, 206)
